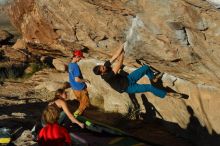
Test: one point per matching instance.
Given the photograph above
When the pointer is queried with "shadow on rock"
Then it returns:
(195, 133)
(21, 115)
(199, 134)
(150, 109)
(159, 84)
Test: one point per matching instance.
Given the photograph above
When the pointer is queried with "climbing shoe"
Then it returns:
(157, 77)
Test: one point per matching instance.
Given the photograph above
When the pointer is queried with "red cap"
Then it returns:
(78, 53)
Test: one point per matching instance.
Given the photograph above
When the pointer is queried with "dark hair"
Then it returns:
(58, 93)
(51, 113)
(66, 85)
(96, 70)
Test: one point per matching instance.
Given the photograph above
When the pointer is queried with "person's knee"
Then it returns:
(146, 67)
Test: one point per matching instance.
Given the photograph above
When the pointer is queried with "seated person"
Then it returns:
(59, 103)
(53, 134)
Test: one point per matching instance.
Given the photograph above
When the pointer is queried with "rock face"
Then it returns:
(4, 36)
(25, 139)
(180, 34)
(12, 62)
(180, 38)
(216, 3)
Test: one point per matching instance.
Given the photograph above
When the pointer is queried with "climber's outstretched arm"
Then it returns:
(117, 53)
(119, 63)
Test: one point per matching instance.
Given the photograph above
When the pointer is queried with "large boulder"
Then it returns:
(177, 34)
(20, 44)
(216, 3)
(12, 62)
(13, 55)
(180, 38)
(59, 65)
(202, 102)
(49, 79)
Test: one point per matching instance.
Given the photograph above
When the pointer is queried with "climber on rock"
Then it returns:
(129, 83)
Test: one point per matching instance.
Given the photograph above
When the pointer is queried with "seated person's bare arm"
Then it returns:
(69, 114)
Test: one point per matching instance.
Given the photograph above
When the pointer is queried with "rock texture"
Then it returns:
(4, 36)
(25, 139)
(216, 3)
(180, 38)
(12, 62)
(181, 34)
